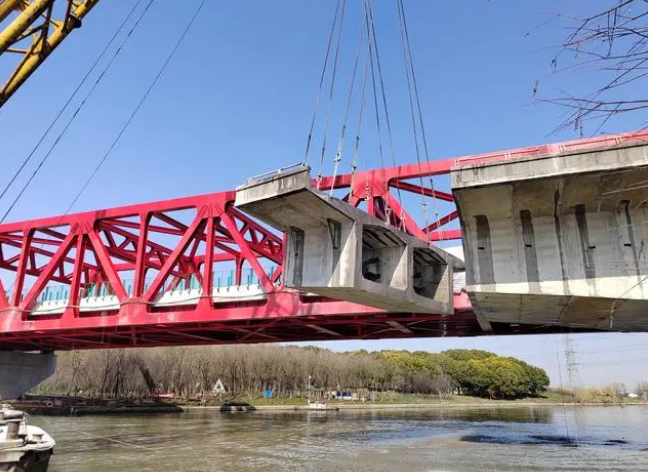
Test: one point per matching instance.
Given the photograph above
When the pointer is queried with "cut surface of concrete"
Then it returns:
(336, 250)
(21, 371)
(558, 238)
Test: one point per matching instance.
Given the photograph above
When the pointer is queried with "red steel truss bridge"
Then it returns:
(197, 270)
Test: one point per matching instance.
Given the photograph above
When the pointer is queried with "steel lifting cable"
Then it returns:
(381, 153)
(363, 98)
(321, 81)
(70, 98)
(436, 212)
(401, 6)
(413, 86)
(384, 102)
(338, 154)
(331, 91)
(411, 102)
(75, 114)
(375, 100)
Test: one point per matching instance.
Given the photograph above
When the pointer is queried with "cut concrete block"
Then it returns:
(335, 250)
(558, 238)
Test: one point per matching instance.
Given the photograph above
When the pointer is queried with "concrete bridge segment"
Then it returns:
(558, 238)
(336, 250)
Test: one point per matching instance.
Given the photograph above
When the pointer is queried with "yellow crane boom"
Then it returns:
(32, 29)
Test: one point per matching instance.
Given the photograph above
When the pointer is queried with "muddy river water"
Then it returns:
(541, 439)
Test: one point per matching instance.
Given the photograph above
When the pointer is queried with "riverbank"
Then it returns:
(406, 406)
(420, 402)
(65, 406)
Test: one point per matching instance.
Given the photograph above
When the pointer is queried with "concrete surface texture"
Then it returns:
(335, 250)
(558, 239)
(21, 371)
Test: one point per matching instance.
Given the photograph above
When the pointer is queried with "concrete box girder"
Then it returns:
(336, 250)
(559, 238)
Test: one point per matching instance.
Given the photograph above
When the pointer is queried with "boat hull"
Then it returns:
(32, 461)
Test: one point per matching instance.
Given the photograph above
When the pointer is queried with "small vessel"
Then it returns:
(23, 447)
(321, 406)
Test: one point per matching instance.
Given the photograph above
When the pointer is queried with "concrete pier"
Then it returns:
(558, 238)
(335, 250)
(21, 371)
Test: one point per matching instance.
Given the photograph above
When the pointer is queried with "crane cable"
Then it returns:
(70, 98)
(321, 81)
(74, 115)
(338, 154)
(384, 104)
(413, 90)
(331, 91)
(412, 100)
(356, 147)
(374, 89)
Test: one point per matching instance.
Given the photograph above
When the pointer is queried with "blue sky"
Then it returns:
(238, 98)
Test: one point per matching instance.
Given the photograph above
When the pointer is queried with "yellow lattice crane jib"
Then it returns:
(31, 30)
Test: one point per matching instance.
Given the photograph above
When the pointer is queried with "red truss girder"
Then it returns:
(150, 242)
(162, 243)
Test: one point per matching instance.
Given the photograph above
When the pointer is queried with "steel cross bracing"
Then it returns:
(153, 274)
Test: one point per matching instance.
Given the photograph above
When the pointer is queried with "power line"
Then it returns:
(139, 105)
(69, 100)
(137, 108)
(74, 115)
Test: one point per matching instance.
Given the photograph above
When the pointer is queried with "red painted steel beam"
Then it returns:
(448, 235)
(428, 192)
(444, 220)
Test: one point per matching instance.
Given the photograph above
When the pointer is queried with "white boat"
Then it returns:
(320, 406)
(23, 447)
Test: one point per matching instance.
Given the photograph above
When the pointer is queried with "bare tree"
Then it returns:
(612, 46)
(642, 390)
(442, 385)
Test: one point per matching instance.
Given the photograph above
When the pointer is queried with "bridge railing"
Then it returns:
(57, 297)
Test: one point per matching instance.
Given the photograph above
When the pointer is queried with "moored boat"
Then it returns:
(321, 406)
(23, 447)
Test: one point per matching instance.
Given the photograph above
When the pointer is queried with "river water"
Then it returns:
(551, 439)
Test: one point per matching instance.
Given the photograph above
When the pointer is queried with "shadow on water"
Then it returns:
(505, 415)
(236, 407)
(553, 440)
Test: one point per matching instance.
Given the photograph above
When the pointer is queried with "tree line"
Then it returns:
(289, 370)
